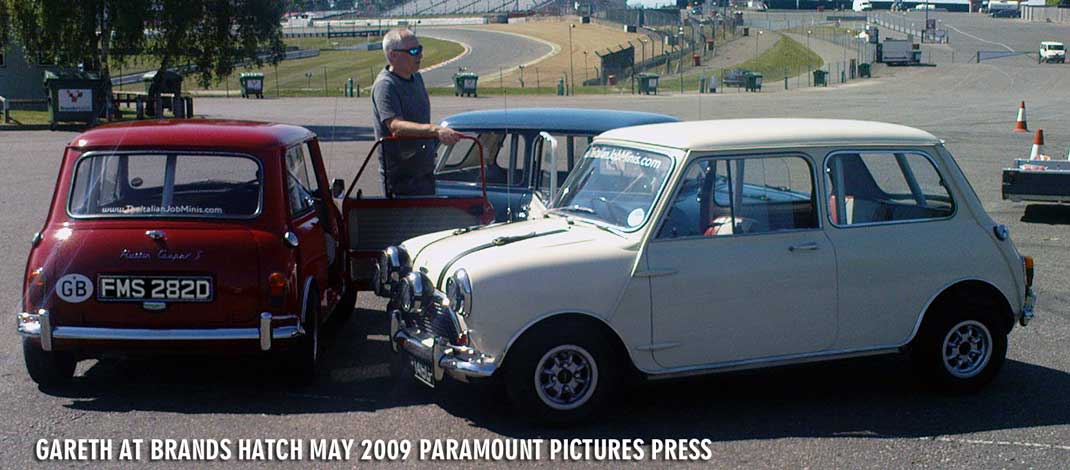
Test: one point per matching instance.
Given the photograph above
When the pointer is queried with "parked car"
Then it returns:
(514, 151)
(185, 236)
(699, 247)
(1051, 52)
(1004, 12)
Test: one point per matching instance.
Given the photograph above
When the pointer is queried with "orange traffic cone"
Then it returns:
(1021, 125)
(1038, 147)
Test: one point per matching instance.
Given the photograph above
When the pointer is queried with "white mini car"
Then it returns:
(698, 247)
(1051, 52)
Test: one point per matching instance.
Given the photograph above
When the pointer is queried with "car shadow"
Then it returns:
(343, 133)
(876, 397)
(1052, 214)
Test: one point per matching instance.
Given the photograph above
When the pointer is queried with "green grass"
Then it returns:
(289, 79)
(26, 118)
(787, 55)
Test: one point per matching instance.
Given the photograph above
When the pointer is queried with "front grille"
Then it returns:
(438, 322)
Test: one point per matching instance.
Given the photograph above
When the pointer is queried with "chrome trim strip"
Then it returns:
(767, 362)
(655, 273)
(123, 334)
(658, 346)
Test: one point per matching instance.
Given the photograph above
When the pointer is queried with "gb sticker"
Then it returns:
(74, 288)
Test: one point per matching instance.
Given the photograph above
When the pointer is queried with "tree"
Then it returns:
(212, 36)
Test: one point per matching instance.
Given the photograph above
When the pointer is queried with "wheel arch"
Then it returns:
(596, 323)
(967, 290)
(309, 289)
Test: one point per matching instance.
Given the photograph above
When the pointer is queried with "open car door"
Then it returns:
(374, 223)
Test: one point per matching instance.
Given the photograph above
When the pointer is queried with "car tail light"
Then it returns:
(277, 288)
(462, 339)
(37, 278)
(1028, 262)
(35, 289)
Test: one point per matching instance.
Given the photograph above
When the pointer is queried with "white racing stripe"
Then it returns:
(1034, 445)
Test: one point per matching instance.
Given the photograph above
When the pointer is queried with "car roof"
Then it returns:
(192, 133)
(555, 120)
(1050, 43)
(770, 133)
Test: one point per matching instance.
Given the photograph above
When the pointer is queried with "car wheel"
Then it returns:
(560, 378)
(47, 368)
(960, 351)
(304, 358)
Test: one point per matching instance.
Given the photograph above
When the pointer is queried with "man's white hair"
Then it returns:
(393, 38)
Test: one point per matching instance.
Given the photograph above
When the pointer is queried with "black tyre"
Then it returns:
(303, 360)
(344, 311)
(560, 376)
(960, 348)
(47, 368)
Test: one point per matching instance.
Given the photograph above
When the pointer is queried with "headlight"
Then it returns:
(392, 268)
(459, 291)
(417, 292)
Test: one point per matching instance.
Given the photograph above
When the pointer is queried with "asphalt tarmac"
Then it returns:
(865, 413)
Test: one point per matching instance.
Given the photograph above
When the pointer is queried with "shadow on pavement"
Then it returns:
(1052, 214)
(871, 397)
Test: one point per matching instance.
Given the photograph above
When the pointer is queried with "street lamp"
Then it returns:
(571, 70)
(585, 67)
(756, 36)
(808, 33)
(642, 62)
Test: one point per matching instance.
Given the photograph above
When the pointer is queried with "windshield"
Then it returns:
(1055, 47)
(615, 185)
(165, 185)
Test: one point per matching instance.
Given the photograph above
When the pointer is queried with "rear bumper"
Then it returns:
(39, 325)
(1029, 308)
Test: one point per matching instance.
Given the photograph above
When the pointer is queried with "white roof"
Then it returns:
(767, 133)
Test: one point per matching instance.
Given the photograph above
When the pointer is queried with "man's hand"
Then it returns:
(447, 136)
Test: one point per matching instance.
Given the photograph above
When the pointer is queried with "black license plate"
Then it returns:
(117, 288)
(423, 371)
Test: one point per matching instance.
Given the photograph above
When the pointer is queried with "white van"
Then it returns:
(862, 5)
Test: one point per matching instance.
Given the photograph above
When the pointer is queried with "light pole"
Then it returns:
(642, 61)
(808, 33)
(756, 40)
(571, 73)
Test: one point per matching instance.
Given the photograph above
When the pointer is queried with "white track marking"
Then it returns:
(997, 443)
(979, 39)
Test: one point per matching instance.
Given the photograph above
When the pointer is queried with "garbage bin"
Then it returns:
(754, 81)
(74, 96)
(696, 59)
(821, 78)
(464, 84)
(252, 83)
(648, 83)
(863, 70)
(746, 31)
(171, 82)
(560, 87)
(612, 79)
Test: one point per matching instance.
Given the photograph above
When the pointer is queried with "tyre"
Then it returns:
(47, 368)
(961, 348)
(560, 377)
(303, 360)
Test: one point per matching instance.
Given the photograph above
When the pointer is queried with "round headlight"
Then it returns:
(393, 266)
(418, 291)
(459, 291)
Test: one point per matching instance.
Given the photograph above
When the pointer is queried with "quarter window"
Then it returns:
(301, 183)
(880, 187)
(742, 195)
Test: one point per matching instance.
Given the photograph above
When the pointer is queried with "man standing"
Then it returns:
(401, 108)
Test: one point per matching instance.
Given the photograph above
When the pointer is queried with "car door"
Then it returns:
(306, 218)
(885, 209)
(739, 266)
(331, 225)
(457, 172)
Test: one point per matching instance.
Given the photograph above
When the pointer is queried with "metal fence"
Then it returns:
(1046, 14)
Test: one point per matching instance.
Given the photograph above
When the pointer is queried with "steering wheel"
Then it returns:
(615, 212)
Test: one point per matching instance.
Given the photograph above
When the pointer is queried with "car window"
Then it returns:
(165, 185)
(876, 187)
(731, 196)
(615, 185)
(462, 160)
(300, 181)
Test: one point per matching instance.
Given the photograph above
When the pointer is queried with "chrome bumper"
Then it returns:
(1028, 311)
(461, 362)
(40, 324)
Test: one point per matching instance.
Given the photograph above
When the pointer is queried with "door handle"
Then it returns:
(803, 247)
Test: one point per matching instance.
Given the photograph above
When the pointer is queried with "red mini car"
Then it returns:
(185, 236)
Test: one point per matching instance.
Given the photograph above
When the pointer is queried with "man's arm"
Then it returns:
(402, 128)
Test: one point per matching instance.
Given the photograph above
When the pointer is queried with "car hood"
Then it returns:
(549, 241)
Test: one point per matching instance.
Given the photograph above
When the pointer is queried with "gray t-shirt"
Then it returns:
(405, 167)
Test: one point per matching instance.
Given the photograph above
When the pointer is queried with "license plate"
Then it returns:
(117, 288)
(422, 371)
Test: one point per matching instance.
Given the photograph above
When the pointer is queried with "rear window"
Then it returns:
(166, 185)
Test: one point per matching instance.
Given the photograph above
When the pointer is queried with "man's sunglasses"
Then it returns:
(414, 51)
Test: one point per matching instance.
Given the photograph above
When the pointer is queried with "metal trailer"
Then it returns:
(1037, 180)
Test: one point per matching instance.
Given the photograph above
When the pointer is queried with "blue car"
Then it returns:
(515, 152)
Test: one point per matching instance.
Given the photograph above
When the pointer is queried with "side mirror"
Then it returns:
(338, 187)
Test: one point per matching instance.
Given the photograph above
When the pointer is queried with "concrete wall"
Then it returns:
(1046, 14)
